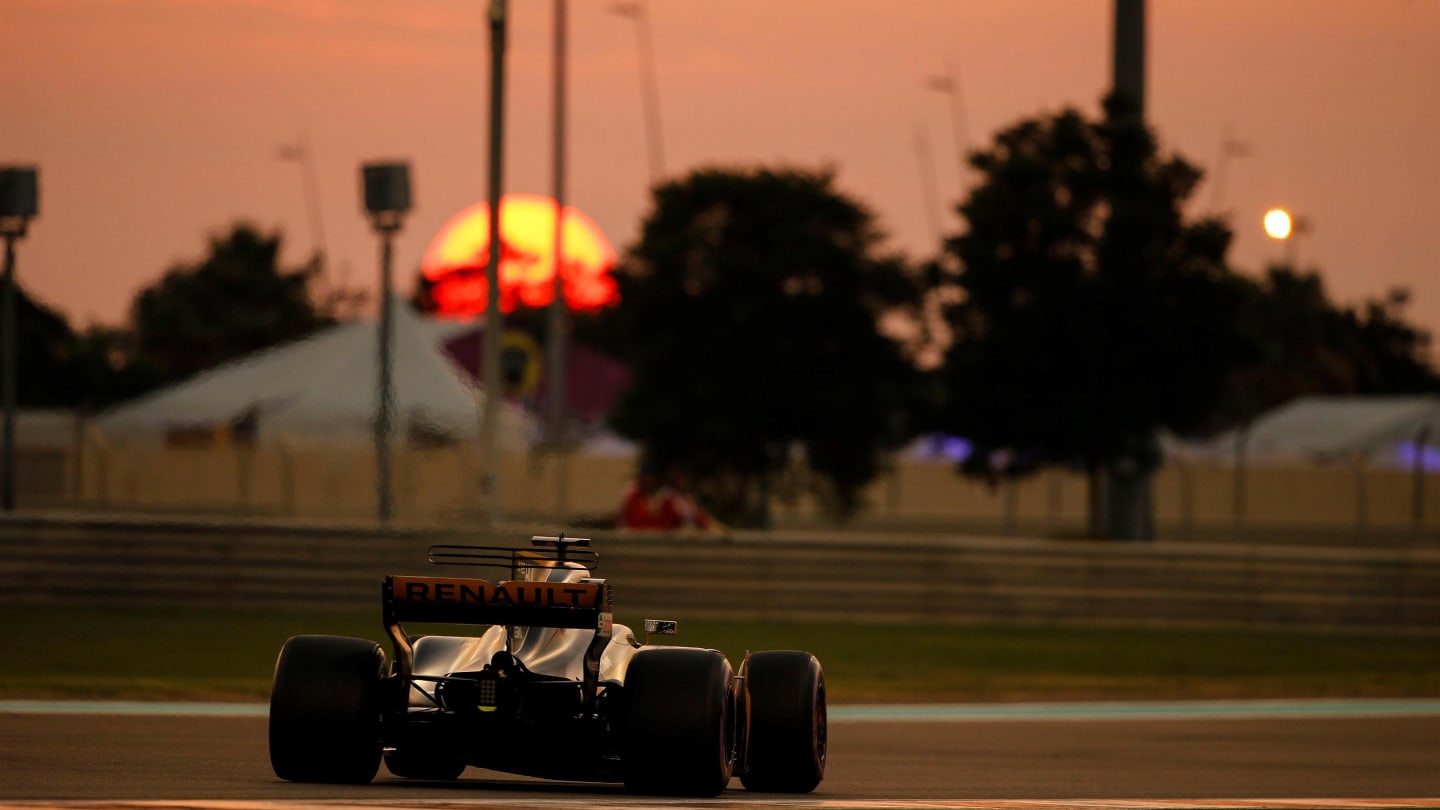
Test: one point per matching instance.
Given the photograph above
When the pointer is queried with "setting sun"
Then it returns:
(454, 264)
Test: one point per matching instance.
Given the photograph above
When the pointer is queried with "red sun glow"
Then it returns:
(454, 264)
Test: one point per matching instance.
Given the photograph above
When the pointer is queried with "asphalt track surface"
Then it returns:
(109, 760)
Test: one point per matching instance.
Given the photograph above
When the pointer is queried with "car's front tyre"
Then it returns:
(325, 710)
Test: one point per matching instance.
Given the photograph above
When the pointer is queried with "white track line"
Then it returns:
(891, 713)
(735, 804)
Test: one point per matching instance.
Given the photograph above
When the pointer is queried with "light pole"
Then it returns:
(19, 202)
(1123, 491)
(1281, 226)
(387, 199)
(494, 321)
(1230, 147)
(949, 84)
(1128, 52)
(555, 354)
(302, 153)
(650, 92)
(927, 183)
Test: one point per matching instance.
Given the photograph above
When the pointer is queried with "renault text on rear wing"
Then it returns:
(453, 600)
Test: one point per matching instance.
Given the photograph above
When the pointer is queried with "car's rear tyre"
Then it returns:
(784, 696)
(677, 730)
(325, 710)
(422, 763)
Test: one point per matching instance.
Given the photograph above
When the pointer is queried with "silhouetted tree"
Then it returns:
(56, 367)
(1397, 354)
(1309, 345)
(45, 353)
(234, 301)
(748, 313)
(1092, 314)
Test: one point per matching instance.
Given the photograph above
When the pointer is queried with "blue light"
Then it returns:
(1428, 456)
(950, 448)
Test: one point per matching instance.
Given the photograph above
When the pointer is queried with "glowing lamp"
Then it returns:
(454, 264)
(1277, 223)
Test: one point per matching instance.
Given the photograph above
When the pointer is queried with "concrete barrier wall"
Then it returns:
(327, 482)
(833, 577)
(444, 486)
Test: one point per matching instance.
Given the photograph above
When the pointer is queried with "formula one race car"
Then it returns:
(552, 688)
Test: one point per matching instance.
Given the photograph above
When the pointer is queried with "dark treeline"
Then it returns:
(1076, 313)
(235, 300)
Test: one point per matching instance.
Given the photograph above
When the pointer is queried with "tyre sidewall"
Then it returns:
(787, 735)
(677, 728)
(325, 710)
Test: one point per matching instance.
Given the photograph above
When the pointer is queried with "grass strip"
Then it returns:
(229, 654)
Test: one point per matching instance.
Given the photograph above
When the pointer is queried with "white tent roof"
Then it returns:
(1331, 427)
(324, 387)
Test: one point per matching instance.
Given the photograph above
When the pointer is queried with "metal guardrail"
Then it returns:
(896, 578)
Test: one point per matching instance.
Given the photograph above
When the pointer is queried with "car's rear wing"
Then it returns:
(530, 598)
(451, 600)
(545, 552)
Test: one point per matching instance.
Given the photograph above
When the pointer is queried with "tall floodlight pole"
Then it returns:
(650, 91)
(302, 153)
(949, 84)
(927, 183)
(1121, 503)
(387, 198)
(1129, 53)
(1230, 147)
(494, 324)
(555, 358)
(19, 202)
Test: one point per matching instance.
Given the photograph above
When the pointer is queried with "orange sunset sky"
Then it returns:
(157, 122)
